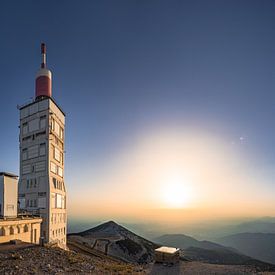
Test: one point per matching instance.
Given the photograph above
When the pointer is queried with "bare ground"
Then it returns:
(198, 268)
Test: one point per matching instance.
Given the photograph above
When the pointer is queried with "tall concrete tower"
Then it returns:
(42, 189)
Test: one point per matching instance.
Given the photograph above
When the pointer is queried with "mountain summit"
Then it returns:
(113, 239)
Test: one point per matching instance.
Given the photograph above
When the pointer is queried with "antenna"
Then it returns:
(43, 54)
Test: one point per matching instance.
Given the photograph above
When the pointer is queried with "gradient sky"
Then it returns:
(139, 78)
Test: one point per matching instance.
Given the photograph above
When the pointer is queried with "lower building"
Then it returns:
(8, 194)
(25, 229)
(13, 227)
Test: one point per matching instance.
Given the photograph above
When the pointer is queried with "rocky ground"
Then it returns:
(28, 259)
(199, 268)
(45, 260)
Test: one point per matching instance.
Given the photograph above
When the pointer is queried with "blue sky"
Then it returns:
(123, 67)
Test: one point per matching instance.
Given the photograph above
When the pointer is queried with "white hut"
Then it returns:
(168, 255)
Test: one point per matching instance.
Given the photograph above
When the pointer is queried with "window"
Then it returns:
(42, 122)
(61, 133)
(54, 182)
(25, 154)
(42, 149)
(56, 128)
(53, 167)
(33, 152)
(42, 202)
(58, 201)
(60, 171)
(26, 169)
(34, 125)
(56, 154)
(40, 166)
(25, 128)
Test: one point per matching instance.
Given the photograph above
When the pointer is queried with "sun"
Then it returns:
(176, 193)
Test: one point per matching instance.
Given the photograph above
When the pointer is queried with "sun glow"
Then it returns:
(176, 192)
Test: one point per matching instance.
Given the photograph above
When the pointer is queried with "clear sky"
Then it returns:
(159, 96)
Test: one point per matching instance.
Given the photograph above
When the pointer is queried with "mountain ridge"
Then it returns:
(257, 245)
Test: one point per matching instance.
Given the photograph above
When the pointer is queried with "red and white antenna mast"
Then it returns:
(43, 54)
(43, 81)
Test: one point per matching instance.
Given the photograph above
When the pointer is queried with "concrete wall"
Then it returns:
(26, 230)
(8, 196)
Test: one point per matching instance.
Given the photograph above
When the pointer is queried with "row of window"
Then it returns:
(32, 183)
(34, 125)
(58, 184)
(36, 167)
(56, 169)
(58, 218)
(34, 136)
(57, 129)
(34, 151)
(31, 203)
(59, 232)
(39, 202)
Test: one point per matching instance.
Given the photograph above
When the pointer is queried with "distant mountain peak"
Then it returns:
(107, 230)
(113, 239)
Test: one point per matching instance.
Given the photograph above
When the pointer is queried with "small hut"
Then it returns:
(167, 255)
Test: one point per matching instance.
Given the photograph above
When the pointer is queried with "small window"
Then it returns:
(56, 154)
(53, 168)
(25, 154)
(61, 133)
(43, 122)
(42, 149)
(60, 171)
(54, 182)
(25, 128)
